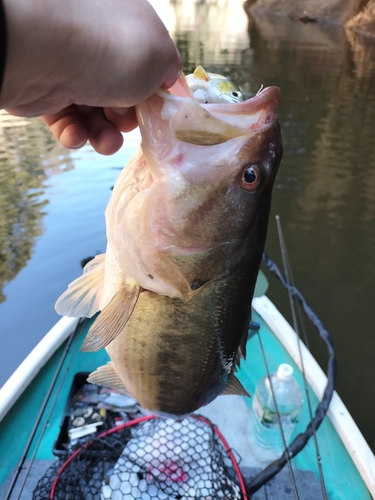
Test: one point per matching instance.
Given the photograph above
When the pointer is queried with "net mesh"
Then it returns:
(157, 458)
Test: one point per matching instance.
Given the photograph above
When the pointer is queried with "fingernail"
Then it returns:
(174, 75)
(120, 111)
(171, 80)
(78, 145)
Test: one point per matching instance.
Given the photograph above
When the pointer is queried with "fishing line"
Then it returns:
(287, 457)
(290, 280)
(305, 337)
(46, 423)
(296, 329)
(35, 427)
(301, 440)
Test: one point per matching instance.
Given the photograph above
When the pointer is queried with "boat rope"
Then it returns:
(288, 278)
(35, 427)
(301, 440)
(291, 474)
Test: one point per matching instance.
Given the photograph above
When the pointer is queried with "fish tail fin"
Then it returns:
(83, 296)
(107, 375)
(113, 318)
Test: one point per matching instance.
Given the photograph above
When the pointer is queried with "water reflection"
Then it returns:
(325, 190)
(210, 33)
(28, 157)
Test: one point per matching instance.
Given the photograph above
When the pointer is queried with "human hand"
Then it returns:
(83, 64)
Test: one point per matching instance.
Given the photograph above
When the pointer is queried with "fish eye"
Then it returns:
(235, 94)
(250, 179)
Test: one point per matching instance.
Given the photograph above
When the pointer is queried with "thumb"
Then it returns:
(175, 71)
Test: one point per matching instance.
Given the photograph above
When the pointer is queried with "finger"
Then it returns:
(174, 73)
(67, 126)
(103, 136)
(123, 119)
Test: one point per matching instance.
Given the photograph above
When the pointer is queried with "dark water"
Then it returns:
(52, 200)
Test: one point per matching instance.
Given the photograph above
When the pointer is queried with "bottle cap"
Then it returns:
(284, 372)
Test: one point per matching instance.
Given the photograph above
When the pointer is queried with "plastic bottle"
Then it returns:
(265, 436)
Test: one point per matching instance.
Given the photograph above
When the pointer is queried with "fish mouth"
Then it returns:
(174, 115)
(256, 113)
(253, 115)
(230, 98)
(267, 96)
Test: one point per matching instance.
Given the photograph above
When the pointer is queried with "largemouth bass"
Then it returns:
(186, 227)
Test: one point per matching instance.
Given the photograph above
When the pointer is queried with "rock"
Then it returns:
(307, 19)
(364, 21)
(339, 11)
(357, 15)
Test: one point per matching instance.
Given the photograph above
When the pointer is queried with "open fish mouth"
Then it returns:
(255, 113)
(208, 124)
(265, 94)
(230, 98)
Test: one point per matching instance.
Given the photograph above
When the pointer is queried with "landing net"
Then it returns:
(145, 459)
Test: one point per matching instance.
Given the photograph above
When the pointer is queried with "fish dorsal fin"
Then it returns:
(83, 296)
(113, 318)
(201, 74)
(234, 386)
(195, 125)
(107, 375)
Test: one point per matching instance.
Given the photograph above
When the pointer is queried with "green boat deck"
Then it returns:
(19, 422)
(341, 476)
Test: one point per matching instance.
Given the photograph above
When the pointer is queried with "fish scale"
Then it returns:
(186, 227)
(192, 359)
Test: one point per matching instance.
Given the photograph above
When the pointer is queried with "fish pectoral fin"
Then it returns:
(107, 375)
(83, 296)
(234, 386)
(112, 319)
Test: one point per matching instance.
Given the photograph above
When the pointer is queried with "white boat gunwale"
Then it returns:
(34, 362)
(339, 415)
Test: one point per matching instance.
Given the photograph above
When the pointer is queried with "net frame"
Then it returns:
(140, 420)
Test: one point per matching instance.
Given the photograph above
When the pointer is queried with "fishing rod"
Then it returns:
(291, 473)
(35, 427)
(288, 277)
(301, 440)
